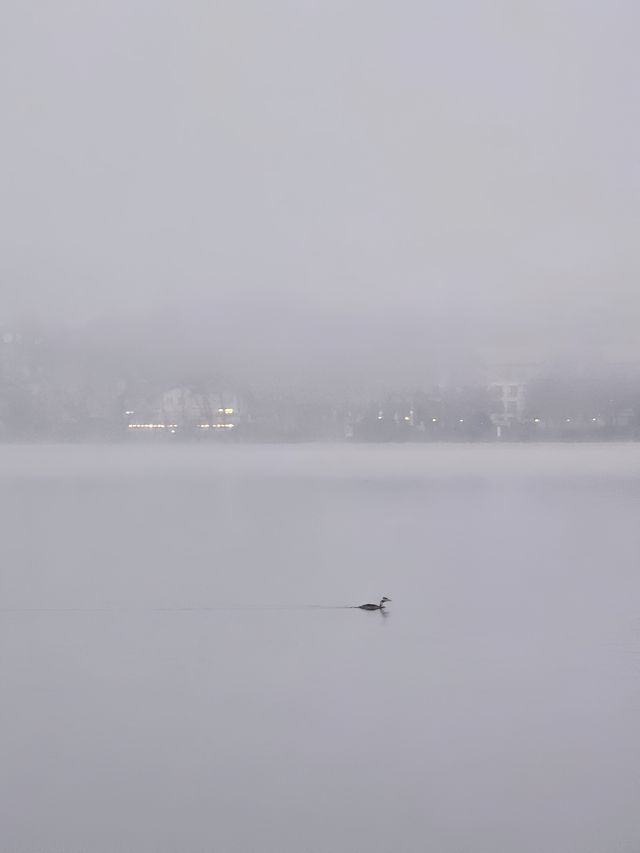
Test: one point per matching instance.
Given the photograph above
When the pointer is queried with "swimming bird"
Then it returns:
(374, 606)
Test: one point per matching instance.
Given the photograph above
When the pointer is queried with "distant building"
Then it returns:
(188, 407)
(185, 408)
(507, 374)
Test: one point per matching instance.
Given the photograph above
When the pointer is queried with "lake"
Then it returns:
(181, 673)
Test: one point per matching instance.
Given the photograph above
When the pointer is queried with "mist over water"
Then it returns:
(493, 709)
(225, 223)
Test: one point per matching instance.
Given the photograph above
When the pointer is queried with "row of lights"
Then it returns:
(217, 426)
(461, 420)
(153, 426)
(173, 427)
(408, 418)
(566, 420)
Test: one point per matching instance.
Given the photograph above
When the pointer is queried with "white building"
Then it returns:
(185, 407)
(507, 374)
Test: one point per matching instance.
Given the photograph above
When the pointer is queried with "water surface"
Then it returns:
(179, 674)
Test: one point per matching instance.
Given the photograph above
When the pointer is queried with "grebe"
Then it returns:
(374, 606)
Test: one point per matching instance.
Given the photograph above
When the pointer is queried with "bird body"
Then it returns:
(374, 606)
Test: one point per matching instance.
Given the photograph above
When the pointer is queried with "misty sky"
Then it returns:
(469, 166)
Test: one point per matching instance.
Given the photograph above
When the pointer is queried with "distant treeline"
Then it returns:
(48, 392)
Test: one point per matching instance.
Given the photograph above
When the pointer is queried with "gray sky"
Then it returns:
(463, 167)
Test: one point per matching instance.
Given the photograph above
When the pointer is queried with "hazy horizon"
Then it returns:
(314, 186)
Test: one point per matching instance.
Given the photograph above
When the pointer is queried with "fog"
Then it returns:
(298, 189)
(303, 304)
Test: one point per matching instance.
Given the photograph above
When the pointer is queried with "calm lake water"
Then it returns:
(178, 674)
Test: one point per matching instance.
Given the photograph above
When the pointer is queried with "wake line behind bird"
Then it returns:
(197, 609)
